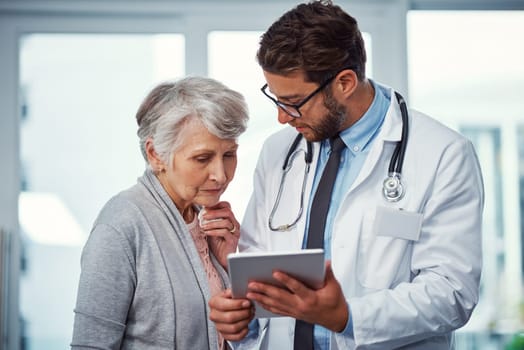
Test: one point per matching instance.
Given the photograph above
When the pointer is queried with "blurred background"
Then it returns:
(73, 73)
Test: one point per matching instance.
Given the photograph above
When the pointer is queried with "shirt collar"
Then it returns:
(359, 135)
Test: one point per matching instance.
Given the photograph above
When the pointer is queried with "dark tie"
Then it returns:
(317, 223)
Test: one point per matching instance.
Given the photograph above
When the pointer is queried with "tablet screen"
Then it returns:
(306, 265)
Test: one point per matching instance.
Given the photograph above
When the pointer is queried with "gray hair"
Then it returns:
(171, 105)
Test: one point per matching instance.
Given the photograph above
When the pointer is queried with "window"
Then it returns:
(78, 148)
(468, 73)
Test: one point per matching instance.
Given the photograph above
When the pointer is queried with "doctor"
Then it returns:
(403, 263)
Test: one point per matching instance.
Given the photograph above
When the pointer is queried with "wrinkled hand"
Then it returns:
(231, 316)
(222, 230)
(326, 306)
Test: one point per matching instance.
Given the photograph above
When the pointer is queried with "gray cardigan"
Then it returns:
(142, 284)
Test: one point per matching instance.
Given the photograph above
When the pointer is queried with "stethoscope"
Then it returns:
(392, 188)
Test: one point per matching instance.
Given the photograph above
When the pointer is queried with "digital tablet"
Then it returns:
(306, 265)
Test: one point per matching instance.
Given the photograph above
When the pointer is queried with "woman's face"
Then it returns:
(201, 167)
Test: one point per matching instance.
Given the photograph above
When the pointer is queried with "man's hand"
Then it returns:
(326, 306)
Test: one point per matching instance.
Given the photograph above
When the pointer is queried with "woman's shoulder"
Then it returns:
(125, 209)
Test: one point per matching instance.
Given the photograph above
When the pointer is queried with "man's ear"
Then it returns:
(153, 158)
(346, 83)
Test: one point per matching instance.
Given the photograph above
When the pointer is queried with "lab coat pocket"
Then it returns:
(385, 247)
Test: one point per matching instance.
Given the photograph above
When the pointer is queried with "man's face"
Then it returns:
(322, 116)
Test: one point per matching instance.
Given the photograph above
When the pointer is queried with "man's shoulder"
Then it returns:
(281, 139)
(424, 125)
(276, 146)
(287, 133)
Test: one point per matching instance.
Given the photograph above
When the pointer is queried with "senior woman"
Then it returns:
(150, 265)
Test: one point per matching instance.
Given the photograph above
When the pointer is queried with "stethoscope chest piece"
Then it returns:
(392, 188)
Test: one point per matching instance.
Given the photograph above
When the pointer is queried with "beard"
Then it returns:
(329, 124)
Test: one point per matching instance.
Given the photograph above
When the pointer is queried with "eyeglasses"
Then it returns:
(294, 109)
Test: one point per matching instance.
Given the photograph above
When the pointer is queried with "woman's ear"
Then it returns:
(346, 82)
(156, 163)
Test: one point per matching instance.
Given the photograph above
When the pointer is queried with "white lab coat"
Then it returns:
(409, 270)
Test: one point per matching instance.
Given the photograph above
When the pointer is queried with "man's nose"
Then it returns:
(283, 117)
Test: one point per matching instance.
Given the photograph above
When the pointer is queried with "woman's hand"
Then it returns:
(222, 230)
(231, 316)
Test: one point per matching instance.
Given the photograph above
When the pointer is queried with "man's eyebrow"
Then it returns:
(287, 97)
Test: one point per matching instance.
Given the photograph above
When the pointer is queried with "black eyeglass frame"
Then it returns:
(289, 108)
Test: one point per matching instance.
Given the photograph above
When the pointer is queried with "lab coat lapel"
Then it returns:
(389, 134)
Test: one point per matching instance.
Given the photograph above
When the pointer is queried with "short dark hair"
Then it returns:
(318, 38)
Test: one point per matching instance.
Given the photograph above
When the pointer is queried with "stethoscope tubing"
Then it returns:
(397, 159)
(286, 168)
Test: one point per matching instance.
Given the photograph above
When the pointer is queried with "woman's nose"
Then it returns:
(218, 172)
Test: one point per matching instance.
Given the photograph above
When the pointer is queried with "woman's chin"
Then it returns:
(207, 202)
